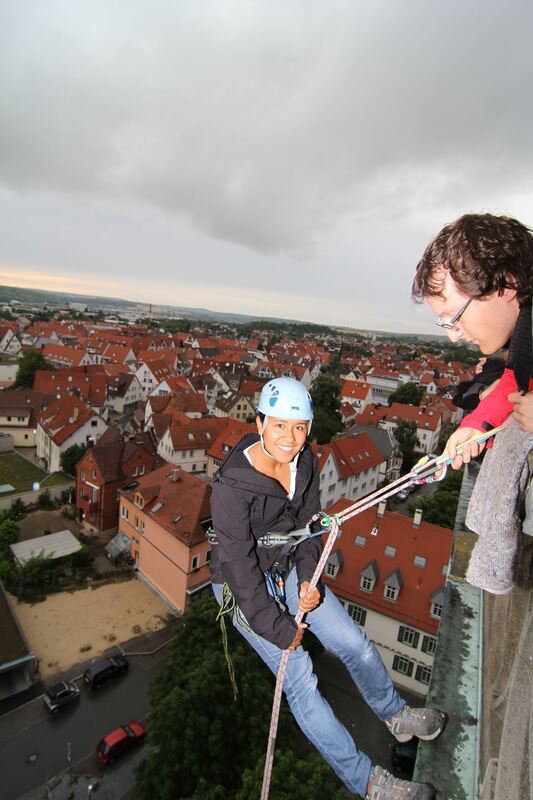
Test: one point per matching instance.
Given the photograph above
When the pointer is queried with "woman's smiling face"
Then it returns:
(283, 438)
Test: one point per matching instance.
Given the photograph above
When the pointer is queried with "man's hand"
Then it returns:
(308, 600)
(460, 436)
(296, 642)
(522, 410)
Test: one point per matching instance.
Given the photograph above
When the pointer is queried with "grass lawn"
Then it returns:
(21, 474)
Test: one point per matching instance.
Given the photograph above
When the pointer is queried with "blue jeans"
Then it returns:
(340, 635)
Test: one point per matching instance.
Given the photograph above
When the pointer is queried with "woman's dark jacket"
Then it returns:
(245, 505)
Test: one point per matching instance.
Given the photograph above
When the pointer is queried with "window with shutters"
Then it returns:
(408, 636)
(403, 665)
(357, 613)
(429, 645)
(423, 674)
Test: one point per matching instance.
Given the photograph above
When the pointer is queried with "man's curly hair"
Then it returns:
(483, 254)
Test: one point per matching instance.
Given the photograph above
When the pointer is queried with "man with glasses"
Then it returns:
(476, 276)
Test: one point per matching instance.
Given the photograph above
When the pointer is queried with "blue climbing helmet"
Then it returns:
(286, 398)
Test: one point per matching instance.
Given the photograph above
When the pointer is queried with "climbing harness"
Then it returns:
(423, 472)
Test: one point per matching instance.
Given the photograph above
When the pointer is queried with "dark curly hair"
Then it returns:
(483, 253)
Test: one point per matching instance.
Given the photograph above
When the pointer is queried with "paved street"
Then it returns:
(34, 744)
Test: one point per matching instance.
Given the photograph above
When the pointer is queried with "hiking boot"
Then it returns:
(384, 786)
(426, 723)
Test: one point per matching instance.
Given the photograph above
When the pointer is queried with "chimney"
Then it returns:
(174, 475)
(417, 518)
(381, 508)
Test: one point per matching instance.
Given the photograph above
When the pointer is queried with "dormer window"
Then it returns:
(437, 603)
(334, 563)
(393, 584)
(369, 576)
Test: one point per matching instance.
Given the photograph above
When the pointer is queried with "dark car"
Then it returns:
(404, 757)
(119, 742)
(60, 695)
(104, 670)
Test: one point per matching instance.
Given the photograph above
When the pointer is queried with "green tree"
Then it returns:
(202, 741)
(71, 456)
(327, 421)
(197, 730)
(29, 362)
(293, 778)
(406, 435)
(9, 533)
(409, 393)
(460, 352)
(176, 325)
(441, 507)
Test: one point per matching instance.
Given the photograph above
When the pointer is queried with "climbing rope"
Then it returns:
(423, 472)
(276, 704)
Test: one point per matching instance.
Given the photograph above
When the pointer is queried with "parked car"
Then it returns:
(119, 742)
(60, 695)
(404, 493)
(104, 670)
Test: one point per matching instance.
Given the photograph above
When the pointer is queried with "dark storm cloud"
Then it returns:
(263, 123)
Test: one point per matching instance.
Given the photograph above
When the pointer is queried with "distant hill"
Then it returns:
(8, 293)
(42, 296)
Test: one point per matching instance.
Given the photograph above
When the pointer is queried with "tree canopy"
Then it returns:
(71, 456)
(327, 421)
(410, 393)
(29, 362)
(441, 506)
(9, 533)
(406, 435)
(202, 741)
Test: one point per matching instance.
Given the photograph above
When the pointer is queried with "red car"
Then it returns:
(119, 742)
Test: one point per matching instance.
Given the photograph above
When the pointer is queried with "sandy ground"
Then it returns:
(70, 627)
(37, 522)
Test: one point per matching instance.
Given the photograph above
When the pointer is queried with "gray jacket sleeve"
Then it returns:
(239, 566)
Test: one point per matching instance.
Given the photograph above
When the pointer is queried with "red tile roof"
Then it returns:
(90, 382)
(229, 437)
(428, 420)
(199, 434)
(432, 542)
(352, 454)
(63, 417)
(355, 390)
(179, 506)
(66, 356)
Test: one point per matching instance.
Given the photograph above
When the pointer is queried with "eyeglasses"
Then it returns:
(451, 324)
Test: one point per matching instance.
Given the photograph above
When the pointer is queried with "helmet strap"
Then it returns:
(263, 428)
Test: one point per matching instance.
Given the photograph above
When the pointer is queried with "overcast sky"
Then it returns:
(287, 159)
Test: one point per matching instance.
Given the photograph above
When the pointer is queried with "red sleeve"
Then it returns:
(495, 408)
